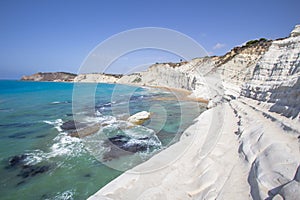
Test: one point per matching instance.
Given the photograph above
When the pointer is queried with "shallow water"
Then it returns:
(57, 166)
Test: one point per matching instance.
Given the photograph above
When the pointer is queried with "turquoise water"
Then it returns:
(54, 165)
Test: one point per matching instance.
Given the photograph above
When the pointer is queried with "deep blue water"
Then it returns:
(39, 160)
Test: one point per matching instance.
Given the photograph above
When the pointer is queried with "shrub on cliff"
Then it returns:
(251, 42)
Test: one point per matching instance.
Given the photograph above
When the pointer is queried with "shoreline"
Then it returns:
(181, 94)
(245, 146)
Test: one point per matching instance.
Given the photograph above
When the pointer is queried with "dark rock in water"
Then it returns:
(45, 196)
(119, 140)
(135, 147)
(120, 146)
(17, 136)
(21, 183)
(86, 131)
(87, 175)
(17, 160)
(20, 135)
(114, 153)
(40, 136)
(33, 170)
(40, 170)
(68, 125)
(72, 125)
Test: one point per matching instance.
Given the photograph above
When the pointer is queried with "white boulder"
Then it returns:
(139, 117)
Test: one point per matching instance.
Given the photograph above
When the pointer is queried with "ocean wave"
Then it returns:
(35, 157)
(63, 145)
(56, 123)
(66, 145)
(60, 102)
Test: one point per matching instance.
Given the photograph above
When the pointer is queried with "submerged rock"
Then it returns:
(25, 169)
(17, 160)
(33, 170)
(86, 131)
(71, 125)
(139, 117)
(79, 129)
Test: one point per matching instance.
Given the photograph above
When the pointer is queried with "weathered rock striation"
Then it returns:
(246, 146)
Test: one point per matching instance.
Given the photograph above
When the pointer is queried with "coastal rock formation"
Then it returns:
(98, 78)
(252, 128)
(78, 129)
(139, 118)
(50, 76)
(120, 145)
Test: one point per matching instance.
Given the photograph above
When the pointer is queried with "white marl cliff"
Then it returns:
(246, 146)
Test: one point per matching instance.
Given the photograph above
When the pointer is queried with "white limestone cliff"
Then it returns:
(97, 78)
(246, 146)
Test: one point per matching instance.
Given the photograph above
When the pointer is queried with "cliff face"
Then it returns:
(55, 76)
(266, 71)
(254, 94)
(275, 79)
(99, 78)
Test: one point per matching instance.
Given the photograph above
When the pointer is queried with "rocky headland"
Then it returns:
(50, 76)
(245, 146)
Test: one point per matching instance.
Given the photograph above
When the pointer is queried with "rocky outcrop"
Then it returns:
(296, 31)
(275, 79)
(139, 118)
(50, 76)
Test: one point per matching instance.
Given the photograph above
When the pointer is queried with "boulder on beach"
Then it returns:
(139, 117)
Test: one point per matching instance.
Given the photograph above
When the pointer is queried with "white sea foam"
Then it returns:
(66, 195)
(56, 123)
(98, 113)
(64, 145)
(60, 102)
(35, 157)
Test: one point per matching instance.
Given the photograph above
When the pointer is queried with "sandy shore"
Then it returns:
(181, 94)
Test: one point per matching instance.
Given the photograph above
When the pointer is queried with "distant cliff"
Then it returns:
(50, 76)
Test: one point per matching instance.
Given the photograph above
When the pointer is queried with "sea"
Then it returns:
(41, 159)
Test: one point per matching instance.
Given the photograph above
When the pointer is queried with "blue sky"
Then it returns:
(57, 35)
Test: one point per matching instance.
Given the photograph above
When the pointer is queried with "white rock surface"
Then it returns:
(96, 78)
(139, 118)
(296, 31)
(246, 146)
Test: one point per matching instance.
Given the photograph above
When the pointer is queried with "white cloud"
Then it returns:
(219, 46)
